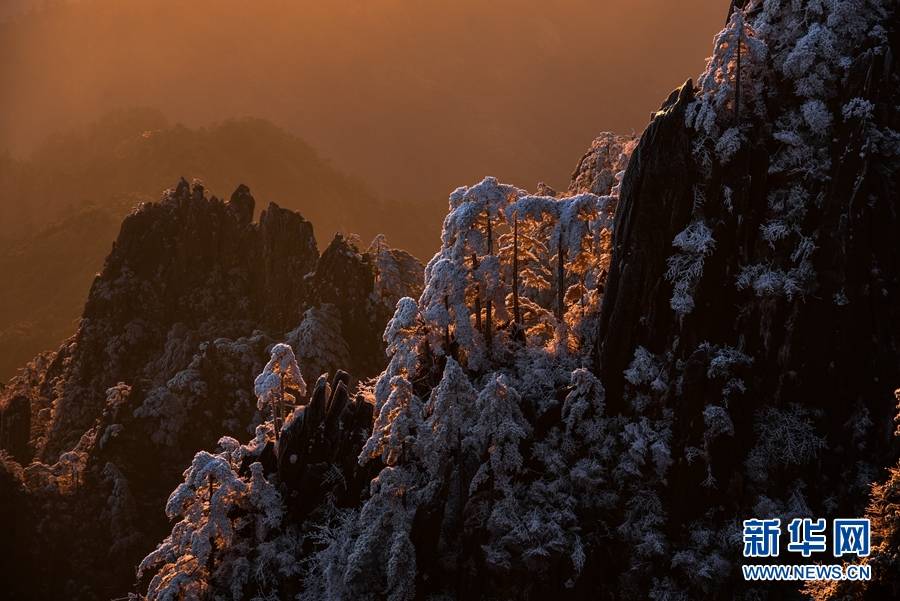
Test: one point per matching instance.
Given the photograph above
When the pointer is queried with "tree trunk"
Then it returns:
(211, 561)
(517, 317)
(560, 278)
(488, 327)
(447, 327)
(281, 403)
(737, 78)
(477, 294)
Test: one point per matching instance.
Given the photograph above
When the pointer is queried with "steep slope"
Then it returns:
(754, 268)
(174, 331)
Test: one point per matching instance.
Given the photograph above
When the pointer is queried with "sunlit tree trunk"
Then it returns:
(488, 328)
(210, 562)
(517, 317)
(560, 278)
(447, 327)
(477, 294)
(276, 403)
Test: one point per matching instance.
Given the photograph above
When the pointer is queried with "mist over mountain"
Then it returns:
(406, 98)
(134, 152)
(413, 97)
(62, 207)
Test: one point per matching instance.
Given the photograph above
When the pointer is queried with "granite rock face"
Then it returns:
(796, 294)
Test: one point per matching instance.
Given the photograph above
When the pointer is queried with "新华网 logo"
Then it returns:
(807, 537)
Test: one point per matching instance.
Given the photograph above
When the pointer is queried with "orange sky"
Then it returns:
(415, 97)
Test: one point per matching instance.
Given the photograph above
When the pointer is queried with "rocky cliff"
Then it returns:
(174, 331)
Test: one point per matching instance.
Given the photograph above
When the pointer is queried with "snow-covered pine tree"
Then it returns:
(500, 428)
(735, 77)
(585, 224)
(466, 271)
(397, 273)
(273, 386)
(382, 529)
(525, 260)
(449, 414)
(397, 425)
(209, 549)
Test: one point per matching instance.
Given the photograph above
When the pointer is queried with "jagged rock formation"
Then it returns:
(318, 446)
(173, 332)
(655, 204)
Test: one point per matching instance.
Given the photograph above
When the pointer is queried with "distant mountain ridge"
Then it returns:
(74, 191)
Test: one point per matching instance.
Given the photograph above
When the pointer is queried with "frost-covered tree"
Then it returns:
(279, 377)
(397, 273)
(735, 76)
(381, 559)
(575, 227)
(466, 271)
(583, 255)
(404, 337)
(449, 415)
(397, 424)
(209, 549)
(377, 557)
(499, 430)
(526, 258)
(601, 169)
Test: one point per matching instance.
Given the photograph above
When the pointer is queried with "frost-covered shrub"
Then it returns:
(857, 108)
(784, 438)
(685, 268)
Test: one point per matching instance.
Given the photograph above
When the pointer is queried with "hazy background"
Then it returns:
(362, 114)
(415, 97)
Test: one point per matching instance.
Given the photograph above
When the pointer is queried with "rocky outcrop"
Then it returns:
(174, 331)
(319, 445)
(772, 260)
(654, 206)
